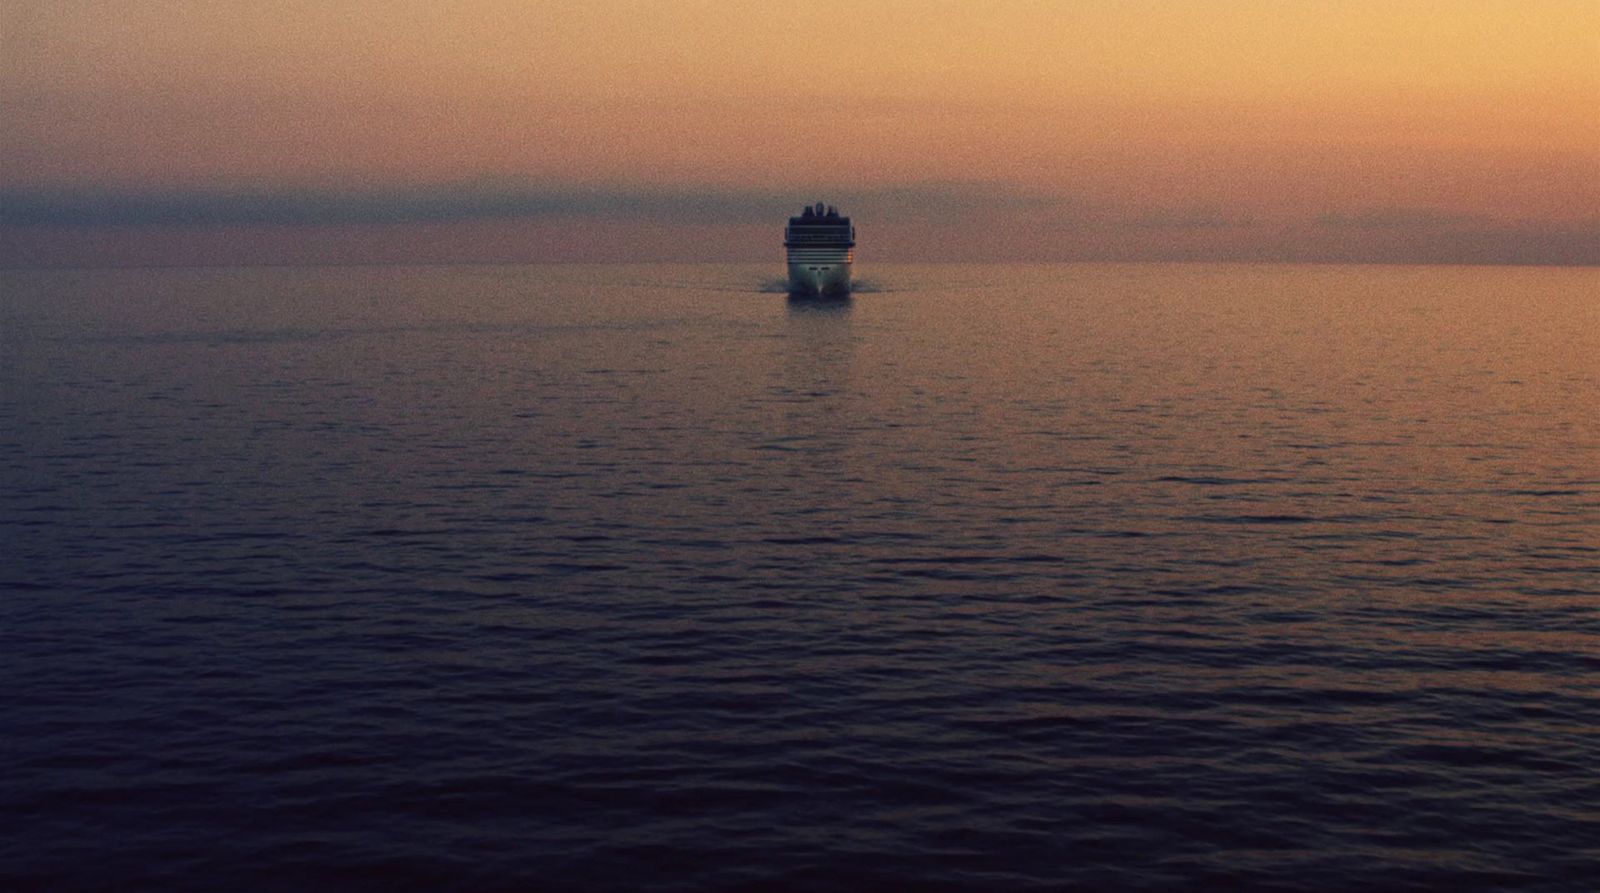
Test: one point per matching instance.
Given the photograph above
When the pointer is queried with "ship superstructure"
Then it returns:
(821, 246)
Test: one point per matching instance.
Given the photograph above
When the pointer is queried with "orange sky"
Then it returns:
(1155, 128)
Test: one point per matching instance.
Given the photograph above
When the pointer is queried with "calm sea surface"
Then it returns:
(611, 577)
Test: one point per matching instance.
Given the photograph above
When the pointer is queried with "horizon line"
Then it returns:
(1220, 261)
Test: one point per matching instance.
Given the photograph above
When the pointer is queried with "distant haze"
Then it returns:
(145, 132)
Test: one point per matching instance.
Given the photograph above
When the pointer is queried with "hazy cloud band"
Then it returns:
(973, 220)
(474, 201)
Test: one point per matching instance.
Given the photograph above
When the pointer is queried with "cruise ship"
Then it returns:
(821, 247)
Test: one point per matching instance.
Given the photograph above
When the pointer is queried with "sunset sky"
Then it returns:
(278, 131)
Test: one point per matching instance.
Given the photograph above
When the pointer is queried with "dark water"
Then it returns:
(996, 578)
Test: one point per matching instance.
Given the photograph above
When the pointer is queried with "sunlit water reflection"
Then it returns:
(1100, 577)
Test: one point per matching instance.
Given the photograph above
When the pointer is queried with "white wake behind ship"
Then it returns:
(821, 246)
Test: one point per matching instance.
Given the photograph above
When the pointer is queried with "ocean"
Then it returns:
(992, 578)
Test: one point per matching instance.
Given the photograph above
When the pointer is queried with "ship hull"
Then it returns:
(819, 278)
